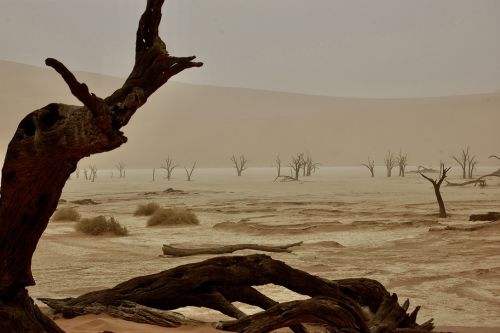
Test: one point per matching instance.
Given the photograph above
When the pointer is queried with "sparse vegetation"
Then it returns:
(66, 214)
(147, 209)
(173, 217)
(463, 160)
(169, 167)
(99, 225)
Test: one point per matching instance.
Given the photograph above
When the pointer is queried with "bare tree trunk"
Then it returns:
(436, 183)
(54, 138)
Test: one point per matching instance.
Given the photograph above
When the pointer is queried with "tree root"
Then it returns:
(169, 250)
(218, 282)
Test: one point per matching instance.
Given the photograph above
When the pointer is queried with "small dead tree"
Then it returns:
(278, 166)
(169, 166)
(154, 171)
(296, 165)
(239, 163)
(189, 172)
(463, 160)
(310, 166)
(436, 183)
(86, 174)
(390, 162)
(402, 161)
(121, 169)
(371, 166)
(93, 172)
(471, 166)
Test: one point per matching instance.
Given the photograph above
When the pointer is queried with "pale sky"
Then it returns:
(361, 48)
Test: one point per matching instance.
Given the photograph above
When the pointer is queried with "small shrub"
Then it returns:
(147, 209)
(99, 225)
(66, 214)
(172, 217)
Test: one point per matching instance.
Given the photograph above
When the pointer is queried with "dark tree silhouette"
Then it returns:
(402, 161)
(371, 166)
(54, 138)
(189, 172)
(239, 163)
(436, 183)
(390, 162)
(169, 166)
(462, 160)
(296, 164)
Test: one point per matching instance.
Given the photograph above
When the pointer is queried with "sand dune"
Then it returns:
(209, 124)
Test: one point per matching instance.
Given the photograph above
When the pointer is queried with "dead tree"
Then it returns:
(390, 162)
(93, 172)
(189, 172)
(371, 166)
(154, 171)
(121, 169)
(86, 174)
(55, 138)
(169, 166)
(296, 165)
(436, 183)
(239, 163)
(278, 166)
(462, 160)
(310, 166)
(494, 156)
(219, 282)
(402, 161)
(471, 166)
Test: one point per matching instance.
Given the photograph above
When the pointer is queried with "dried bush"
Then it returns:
(100, 225)
(66, 214)
(147, 209)
(173, 217)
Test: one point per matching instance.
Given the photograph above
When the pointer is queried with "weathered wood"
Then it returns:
(54, 138)
(475, 181)
(490, 216)
(128, 311)
(218, 282)
(169, 250)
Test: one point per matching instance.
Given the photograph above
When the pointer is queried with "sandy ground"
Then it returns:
(382, 225)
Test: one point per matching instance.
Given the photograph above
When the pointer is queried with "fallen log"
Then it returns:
(169, 250)
(218, 282)
(480, 180)
(490, 216)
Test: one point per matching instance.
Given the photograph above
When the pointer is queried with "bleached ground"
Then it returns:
(382, 223)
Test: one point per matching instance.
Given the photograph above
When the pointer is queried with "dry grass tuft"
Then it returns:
(173, 217)
(147, 209)
(99, 225)
(66, 214)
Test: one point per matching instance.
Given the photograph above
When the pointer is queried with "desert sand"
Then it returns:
(351, 225)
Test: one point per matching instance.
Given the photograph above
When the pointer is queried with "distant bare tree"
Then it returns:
(121, 168)
(296, 165)
(390, 162)
(402, 161)
(463, 160)
(471, 166)
(371, 166)
(278, 165)
(239, 163)
(86, 174)
(189, 173)
(436, 183)
(93, 172)
(310, 166)
(169, 166)
(154, 171)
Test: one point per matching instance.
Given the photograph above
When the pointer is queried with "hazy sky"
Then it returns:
(366, 48)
